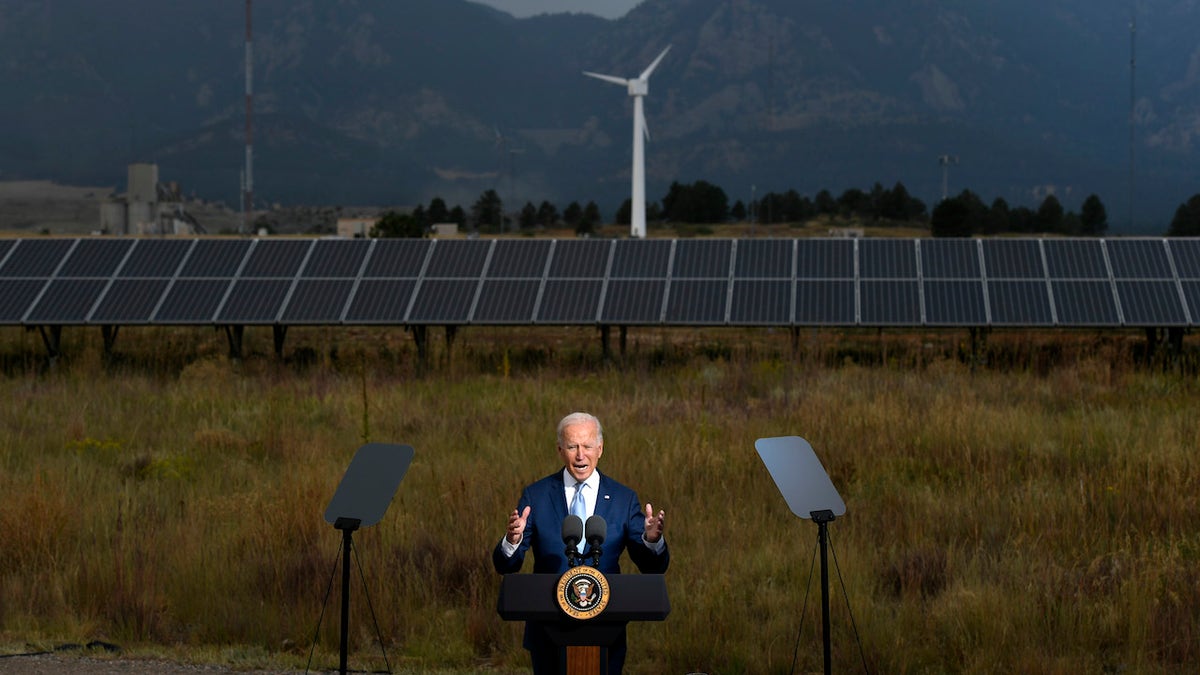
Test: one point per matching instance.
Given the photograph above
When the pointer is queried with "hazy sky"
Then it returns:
(609, 9)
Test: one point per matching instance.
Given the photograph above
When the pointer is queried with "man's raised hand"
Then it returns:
(516, 526)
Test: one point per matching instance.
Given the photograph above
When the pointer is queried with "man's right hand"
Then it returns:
(516, 526)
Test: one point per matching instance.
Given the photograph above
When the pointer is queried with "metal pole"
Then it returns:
(248, 181)
(823, 538)
(345, 644)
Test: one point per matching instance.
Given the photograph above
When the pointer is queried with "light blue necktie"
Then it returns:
(579, 507)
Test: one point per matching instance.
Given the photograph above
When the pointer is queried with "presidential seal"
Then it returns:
(583, 592)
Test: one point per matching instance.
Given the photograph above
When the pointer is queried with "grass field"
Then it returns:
(1030, 508)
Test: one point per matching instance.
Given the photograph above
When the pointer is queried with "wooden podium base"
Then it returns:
(583, 660)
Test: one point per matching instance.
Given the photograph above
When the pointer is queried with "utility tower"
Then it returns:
(1132, 103)
(248, 172)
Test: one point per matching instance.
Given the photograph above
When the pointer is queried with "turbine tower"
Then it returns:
(638, 87)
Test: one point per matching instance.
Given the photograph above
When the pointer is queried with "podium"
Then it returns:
(632, 597)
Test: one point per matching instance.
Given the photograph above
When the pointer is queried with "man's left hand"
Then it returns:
(655, 525)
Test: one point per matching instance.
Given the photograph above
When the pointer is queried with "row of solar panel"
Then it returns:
(913, 259)
(631, 300)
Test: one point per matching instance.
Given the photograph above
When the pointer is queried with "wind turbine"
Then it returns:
(638, 88)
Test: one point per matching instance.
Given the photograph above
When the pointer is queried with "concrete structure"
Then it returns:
(148, 207)
(445, 229)
(114, 216)
(142, 182)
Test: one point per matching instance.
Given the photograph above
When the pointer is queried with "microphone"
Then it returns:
(572, 534)
(596, 529)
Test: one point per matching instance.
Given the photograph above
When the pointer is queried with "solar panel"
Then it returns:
(764, 259)
(192, 301)
(633, 301)
(1150, 303)
(1186, 253)
(517, 258)
(825, 259)
(36, 257)
(761, 302)
(6, 246)
(580, 258)
(887, 259)
(444, 301)
(336, 258)
(156, 258)
(1191, 295)
(215, 258)
(506, 301)
(1012, 259)
(889, 303)
(458, 258)
(66, 301)
(1019, 303)
(884, 282)
(254, 301)
(570, 301)
(1085, 303)
(825, 302)
(1139, 259)
(276, 258)
(95, 258)
(697, 301)
(954, 303)
(1075, 259)
(702, 258)
(129, 301)
(381, 301)
(641, 258)
(16, 295)
(949, 259)
(317, 301)
(398, 258)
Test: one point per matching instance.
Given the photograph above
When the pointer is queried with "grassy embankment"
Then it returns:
(1040, 518)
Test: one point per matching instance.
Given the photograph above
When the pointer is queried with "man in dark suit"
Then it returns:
(536, 524)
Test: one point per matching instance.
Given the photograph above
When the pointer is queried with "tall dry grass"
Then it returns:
(1038, 516)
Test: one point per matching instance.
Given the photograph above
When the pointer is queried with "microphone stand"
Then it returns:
(572, 554)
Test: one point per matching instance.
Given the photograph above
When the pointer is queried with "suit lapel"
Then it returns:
(603, 500)
(558, 498)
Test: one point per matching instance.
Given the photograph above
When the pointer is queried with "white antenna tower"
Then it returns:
(638, 88)
(1132, 100)
(946, 161)
(248, 175)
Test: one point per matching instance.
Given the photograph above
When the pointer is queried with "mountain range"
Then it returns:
(381, 102)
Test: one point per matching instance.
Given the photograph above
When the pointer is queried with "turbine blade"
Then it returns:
(650, 69)
(645, 127)
(608, 78)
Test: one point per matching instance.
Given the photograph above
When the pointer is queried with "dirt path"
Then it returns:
(66, 664)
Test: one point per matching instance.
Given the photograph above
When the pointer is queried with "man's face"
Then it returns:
(580, 450)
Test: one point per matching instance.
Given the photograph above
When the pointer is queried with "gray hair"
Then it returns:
(580, 418)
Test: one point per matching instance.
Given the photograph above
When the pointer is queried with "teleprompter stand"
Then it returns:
(632, 597)
(809, 494)
(361, 499)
